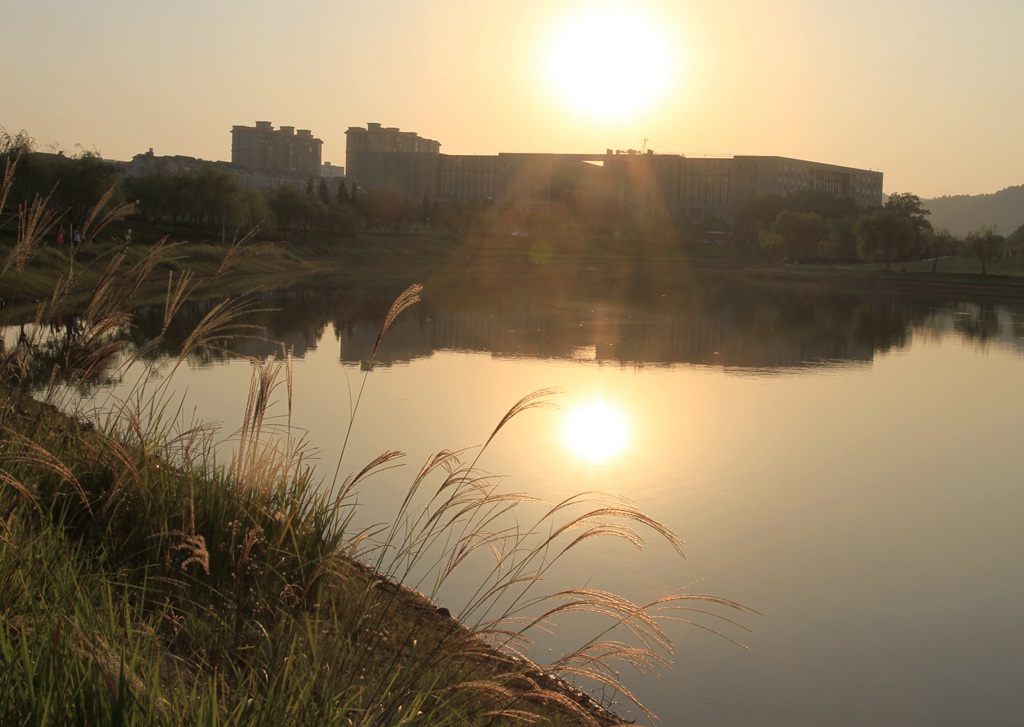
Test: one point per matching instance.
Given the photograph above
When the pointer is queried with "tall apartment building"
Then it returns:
(279, 151)
(373, 143)
(666, 185)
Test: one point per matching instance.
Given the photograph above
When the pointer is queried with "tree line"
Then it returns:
(204, 196)
(817, 227)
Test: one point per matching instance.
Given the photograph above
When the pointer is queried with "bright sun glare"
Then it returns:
(610, 63)
(595, 431)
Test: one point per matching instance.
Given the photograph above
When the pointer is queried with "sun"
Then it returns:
(595, 431)
(610, 62)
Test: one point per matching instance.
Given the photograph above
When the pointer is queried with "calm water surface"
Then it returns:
(849, 467)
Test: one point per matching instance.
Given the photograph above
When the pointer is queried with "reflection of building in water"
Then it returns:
(664, 185)
(267, 331)
(658, 339)
(734, 329)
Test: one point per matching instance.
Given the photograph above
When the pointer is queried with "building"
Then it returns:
(331, 171)
(374, 144)
(638, 184)
(276, 151)
(756, 176)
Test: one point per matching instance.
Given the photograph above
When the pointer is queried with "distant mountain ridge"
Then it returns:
(965, 213)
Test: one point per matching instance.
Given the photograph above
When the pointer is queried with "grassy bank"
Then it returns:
(141, 585)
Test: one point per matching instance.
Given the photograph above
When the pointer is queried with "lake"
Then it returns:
(847, 465)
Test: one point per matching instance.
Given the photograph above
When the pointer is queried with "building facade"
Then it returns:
(373, 144)
(757, 176)
(639, 184)
(276, 151)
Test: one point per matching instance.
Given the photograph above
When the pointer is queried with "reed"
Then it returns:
(143, 581)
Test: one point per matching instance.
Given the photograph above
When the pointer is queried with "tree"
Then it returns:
(324, 192)
(82, 180)
(1015, 241)
(842, 241)
(939, 243)
(772, 244)
(342, 197)
(292, 207)
(214, 196)
(825, 204)
(384, 208)
(800, 233)
(883, 235)
(910, 207)
(757, 215)
(986, 245)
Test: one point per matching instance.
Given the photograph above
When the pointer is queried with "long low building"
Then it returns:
(667, 185)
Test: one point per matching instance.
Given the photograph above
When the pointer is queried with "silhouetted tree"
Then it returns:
(1015, 241)
(757, 215)
(939, 243)
(824, 204)
(341, 197)
(800, 233)
(772, 245)
(213, 195)
(384, 208)
(910, 207)
(986, 246)
(883, 235)
(81, 181)
(292, 207)
(841, 241)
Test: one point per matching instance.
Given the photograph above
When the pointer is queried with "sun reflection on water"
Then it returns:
(595, 431)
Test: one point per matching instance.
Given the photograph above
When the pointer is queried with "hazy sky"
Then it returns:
(927, 91)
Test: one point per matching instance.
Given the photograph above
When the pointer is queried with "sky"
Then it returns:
(929, 92)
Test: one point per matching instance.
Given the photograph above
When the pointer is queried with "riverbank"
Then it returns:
(140, 586)
(500, 260)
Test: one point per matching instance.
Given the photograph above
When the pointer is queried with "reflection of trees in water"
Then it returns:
(714, 321)
(880, 327)
(977, 322)
(719, 323)
(981, 323)
(293, 319)
(69, 351)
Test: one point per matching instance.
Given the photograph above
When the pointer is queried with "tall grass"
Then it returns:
(142, 581)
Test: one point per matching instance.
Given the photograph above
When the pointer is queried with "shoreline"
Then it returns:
(375, 259)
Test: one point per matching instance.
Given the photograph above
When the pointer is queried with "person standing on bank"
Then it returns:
(60, 236)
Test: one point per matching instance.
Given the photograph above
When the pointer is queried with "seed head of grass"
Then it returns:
(409, 297)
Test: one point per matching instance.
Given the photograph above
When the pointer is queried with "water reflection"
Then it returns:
(718, 323)
(762, 331)
(595, 430)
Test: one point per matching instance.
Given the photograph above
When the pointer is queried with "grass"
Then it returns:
(142, 581)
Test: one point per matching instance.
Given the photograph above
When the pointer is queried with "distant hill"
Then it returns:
(964, 213)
